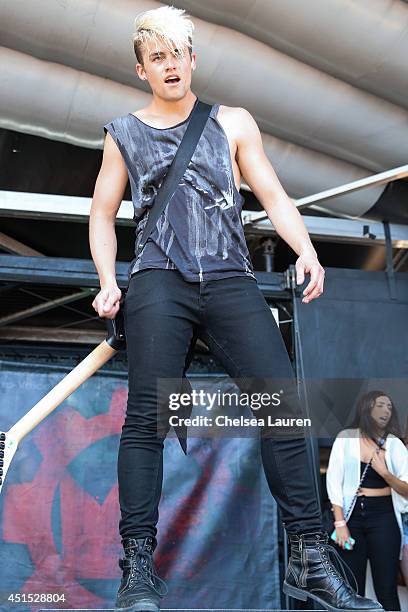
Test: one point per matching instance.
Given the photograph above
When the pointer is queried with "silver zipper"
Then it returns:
(303, 564)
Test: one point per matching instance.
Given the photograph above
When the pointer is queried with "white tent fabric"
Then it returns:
(71, 116)
(364, 43)
(68, 67)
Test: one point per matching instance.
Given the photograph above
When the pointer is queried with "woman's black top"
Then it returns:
(372, 480)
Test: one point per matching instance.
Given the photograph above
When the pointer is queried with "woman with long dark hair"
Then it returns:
(374, 515)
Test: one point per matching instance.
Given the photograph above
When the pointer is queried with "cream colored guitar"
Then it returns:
(9, 440)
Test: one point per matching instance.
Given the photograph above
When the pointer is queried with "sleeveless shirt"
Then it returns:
(200, 232)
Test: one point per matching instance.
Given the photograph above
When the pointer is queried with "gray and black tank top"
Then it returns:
(200, 232)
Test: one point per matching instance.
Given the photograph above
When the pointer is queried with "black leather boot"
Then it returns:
(311, 573)
(140, 588)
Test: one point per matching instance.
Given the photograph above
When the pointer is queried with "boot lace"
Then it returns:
(333, 567)
(142, 570)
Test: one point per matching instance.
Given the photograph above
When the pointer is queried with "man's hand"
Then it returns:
(106, 303)
(109, 189)
(308, 263)
(262, 179)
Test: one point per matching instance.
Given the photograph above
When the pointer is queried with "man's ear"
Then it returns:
(193, 61)
(140, 71)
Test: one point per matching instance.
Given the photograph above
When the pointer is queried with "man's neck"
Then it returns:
(172, 108)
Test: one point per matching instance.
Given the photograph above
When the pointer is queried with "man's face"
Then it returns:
(160, 64)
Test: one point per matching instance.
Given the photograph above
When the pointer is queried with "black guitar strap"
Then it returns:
(178, 166)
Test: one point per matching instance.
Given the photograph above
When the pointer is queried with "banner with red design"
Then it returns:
(59, 539)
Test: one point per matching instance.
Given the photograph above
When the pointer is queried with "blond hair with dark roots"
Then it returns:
(167, 25)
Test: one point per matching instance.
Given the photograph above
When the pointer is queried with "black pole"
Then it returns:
(311, 444)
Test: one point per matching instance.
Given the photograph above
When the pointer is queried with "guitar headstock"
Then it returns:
(8, 446)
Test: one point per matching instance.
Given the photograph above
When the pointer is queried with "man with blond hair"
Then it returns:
(194, 278)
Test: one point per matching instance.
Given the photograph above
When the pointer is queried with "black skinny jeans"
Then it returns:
(378, 538)
(162, 312)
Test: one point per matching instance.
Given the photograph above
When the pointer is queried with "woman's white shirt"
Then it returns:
(343, 472)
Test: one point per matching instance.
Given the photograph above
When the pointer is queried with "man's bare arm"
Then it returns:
(283, 214)
(108, 194)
